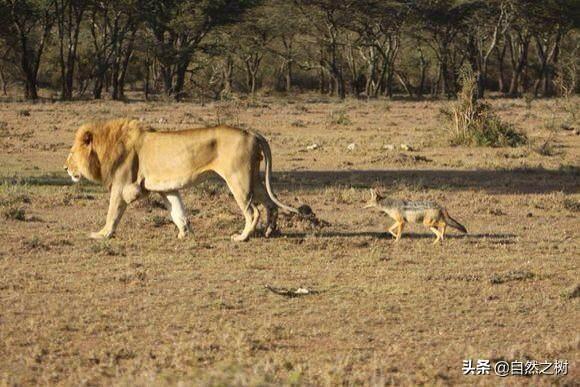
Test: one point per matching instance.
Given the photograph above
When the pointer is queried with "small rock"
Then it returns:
(162, 120)
(389, 147)
(351, 147)
(313, 147)
(406, 147)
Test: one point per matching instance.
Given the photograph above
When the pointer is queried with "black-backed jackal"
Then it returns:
(429, 213)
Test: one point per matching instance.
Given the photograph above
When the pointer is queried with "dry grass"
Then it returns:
(146, 308)
(474, 122)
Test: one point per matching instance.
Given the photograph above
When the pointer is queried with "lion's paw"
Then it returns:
(99, 235)
(239, 238)
(272, 232)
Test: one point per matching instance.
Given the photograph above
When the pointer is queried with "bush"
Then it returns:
(339, 117)
(15, 213)
(472, 122)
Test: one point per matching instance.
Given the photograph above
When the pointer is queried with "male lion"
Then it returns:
(131, 161)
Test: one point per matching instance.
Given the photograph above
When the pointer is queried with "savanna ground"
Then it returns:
(146, 308)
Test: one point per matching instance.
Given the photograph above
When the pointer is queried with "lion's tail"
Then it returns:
(268, 164)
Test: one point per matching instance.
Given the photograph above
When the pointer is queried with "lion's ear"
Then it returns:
(87, 138)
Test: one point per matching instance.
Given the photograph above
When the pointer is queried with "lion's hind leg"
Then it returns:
(175, 206)
(261, 196)
(240, 185)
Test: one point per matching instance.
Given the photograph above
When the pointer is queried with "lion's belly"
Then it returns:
(174, 183)
(166, 164)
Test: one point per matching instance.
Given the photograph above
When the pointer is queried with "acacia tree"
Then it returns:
(252, 38)
(517, 39)
(550, 22)
(439, 23)
(284, 37)
(327, 20)
(484, 27)
(25, 27)
(113, 25)
(378, 24)
(178, 28)
(5, 60)
(69, 15)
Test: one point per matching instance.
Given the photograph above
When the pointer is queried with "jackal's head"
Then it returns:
(374, 200)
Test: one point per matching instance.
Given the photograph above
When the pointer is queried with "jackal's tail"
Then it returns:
(453, 223)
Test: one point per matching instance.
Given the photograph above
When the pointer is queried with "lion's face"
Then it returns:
(82, 160)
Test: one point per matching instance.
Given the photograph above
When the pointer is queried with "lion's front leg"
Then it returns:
(117, 207)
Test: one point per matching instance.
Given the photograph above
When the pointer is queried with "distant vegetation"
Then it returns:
(213, 49)
(473, 122)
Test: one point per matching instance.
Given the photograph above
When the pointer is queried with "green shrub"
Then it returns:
(472, 122)
(15, 213)
(340, 117)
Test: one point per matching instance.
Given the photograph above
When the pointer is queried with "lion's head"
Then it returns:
(100, 148)
(82, 161)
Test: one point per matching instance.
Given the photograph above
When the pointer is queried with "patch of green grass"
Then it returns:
(571, 205)
(515, 275)
(159, 221)
(572, 293)
(15, 213)
(339, 117)
(35, 243)
(105, 248)
(298, 124)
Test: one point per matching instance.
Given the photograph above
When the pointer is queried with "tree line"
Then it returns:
(212, 48)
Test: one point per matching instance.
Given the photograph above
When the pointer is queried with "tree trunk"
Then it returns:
(98, 86)
(519, 55)
(423, 66)
(180, 80)
(147, 88)
(481, 82)
(167, 77)
(389, 85)
(30, 86)
(228, 71)
(4, 82)
(500, 63)
(443, 77)
(288, 86)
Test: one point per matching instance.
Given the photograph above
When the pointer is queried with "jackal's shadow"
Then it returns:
(387, 236)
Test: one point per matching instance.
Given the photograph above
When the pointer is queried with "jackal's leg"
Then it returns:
(437, 233)
(442, 229)
(395, 225)
(400, 231)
